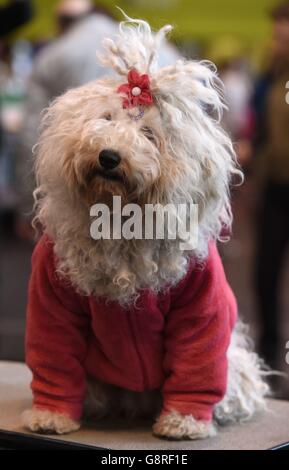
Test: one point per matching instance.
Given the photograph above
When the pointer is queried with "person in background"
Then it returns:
(237, 119)
(14, 15)
(272, 143)
(70, 61)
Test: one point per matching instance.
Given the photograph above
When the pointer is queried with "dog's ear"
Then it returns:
(190, 83)
(190, 98)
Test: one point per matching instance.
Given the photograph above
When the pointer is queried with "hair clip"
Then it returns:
(138, 93)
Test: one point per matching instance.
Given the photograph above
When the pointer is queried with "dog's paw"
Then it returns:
(48, 422)
(176, 426)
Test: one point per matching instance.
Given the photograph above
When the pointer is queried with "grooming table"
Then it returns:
(264, 432)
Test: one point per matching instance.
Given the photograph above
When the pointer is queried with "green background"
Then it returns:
(204, 20)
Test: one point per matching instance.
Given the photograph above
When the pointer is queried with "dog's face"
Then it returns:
(175, 153)
(103, 151)
(114, 154)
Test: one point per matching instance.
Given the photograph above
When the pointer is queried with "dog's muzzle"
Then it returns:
(108, 168)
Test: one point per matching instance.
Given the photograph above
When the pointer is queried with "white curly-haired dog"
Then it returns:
(136, 327)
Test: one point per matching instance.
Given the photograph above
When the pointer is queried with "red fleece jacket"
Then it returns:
(176, 341)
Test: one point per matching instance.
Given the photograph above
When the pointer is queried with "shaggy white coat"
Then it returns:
(178, 153)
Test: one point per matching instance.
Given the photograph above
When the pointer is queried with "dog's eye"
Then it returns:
(107, 117)
(149, 134)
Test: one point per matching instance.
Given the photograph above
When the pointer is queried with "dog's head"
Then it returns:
(149, 135)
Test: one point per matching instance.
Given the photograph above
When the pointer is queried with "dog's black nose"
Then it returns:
(109, 159)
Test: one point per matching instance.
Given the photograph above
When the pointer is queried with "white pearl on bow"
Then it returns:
(136, 91)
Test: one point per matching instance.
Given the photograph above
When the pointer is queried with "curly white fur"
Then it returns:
(247, 388)
(176, 426)
(48, 422)
(190, 161)
(136, 47)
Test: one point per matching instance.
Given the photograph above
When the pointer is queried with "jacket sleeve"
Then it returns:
(55, 338)
(199, 323)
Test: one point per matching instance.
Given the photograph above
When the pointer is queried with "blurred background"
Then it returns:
(48, 46)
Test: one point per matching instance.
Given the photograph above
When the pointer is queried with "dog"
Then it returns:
(137, 327)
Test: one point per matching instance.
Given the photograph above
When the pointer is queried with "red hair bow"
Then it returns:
(137, 90)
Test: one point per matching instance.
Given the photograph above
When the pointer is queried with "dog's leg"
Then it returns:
(245, 394)
(176, 426)
(246, 388)
(48, 422)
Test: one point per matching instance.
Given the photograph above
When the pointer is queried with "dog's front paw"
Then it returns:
(176, 426)
(48, 422)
